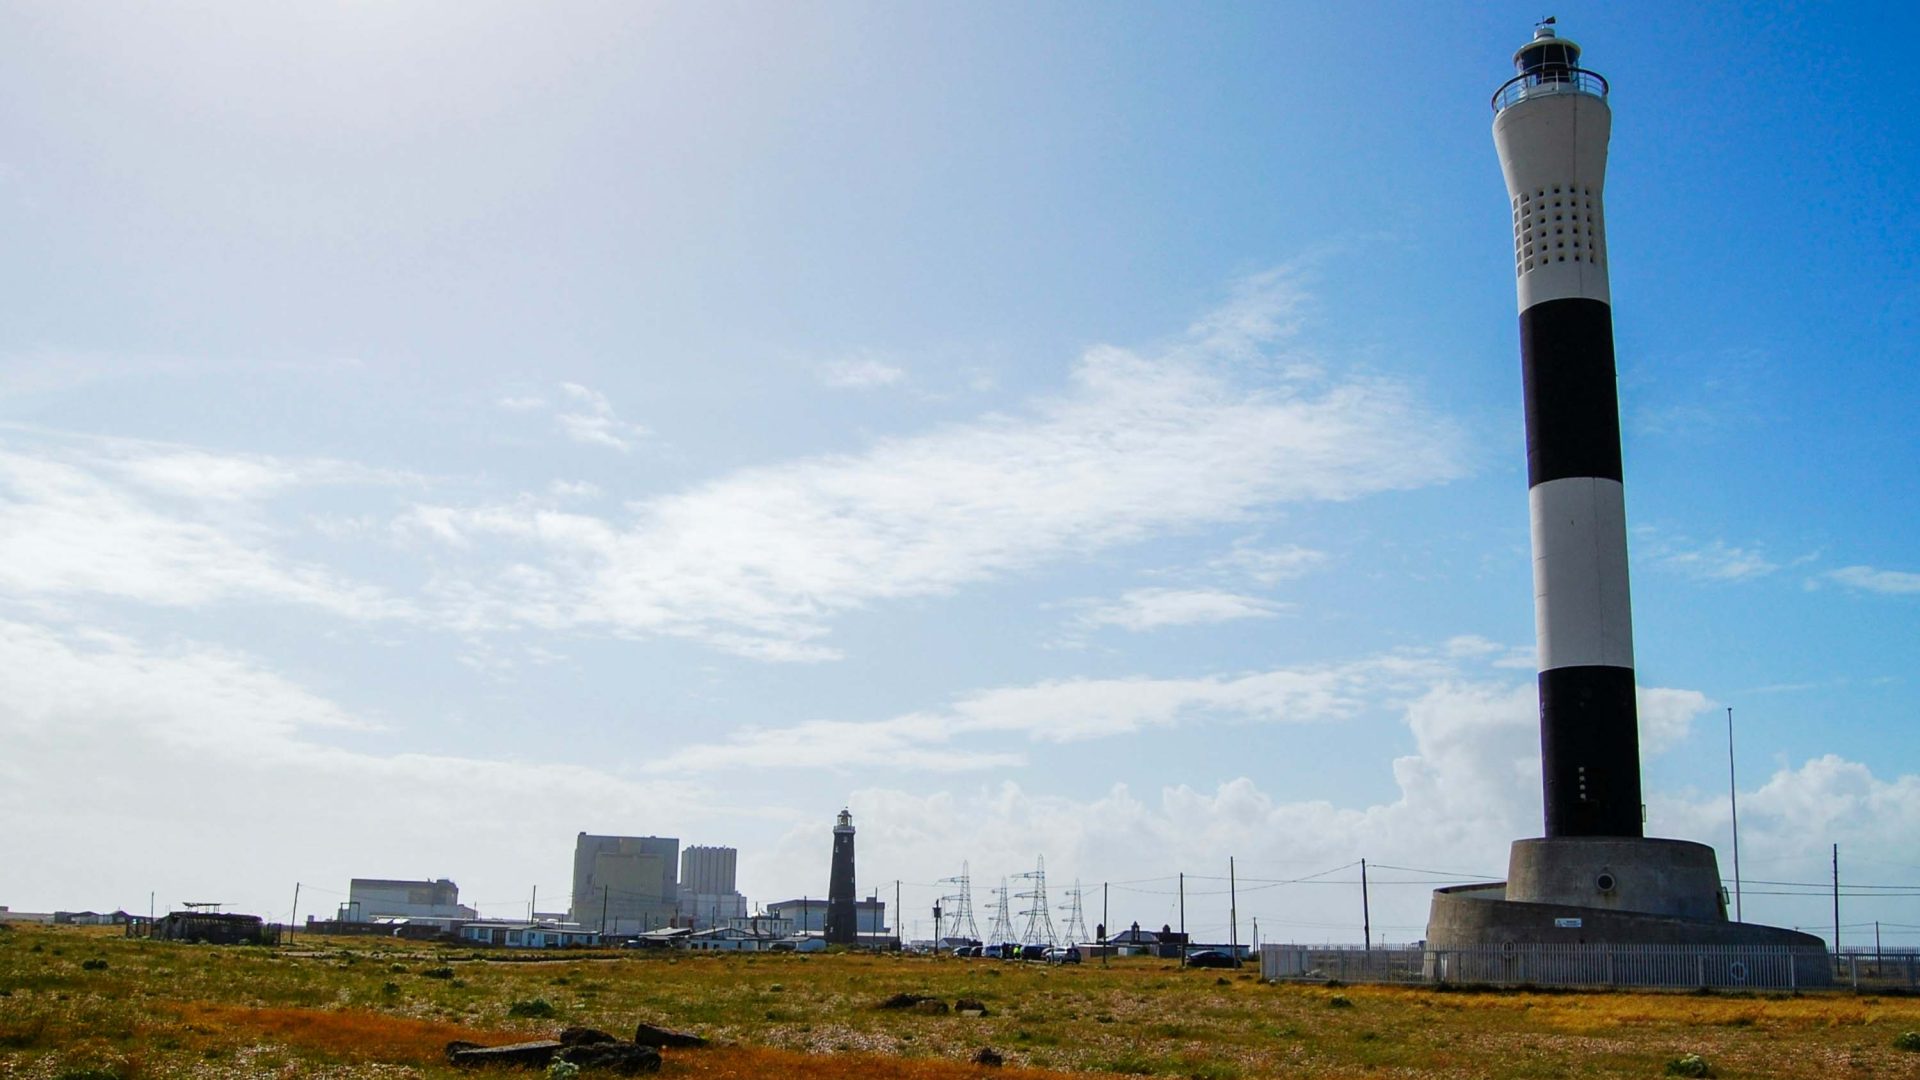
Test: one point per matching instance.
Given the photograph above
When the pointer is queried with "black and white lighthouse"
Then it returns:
(1551, 127)
(842, 913)
(1592, 878)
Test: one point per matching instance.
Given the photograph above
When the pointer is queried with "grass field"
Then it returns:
(86, 1004)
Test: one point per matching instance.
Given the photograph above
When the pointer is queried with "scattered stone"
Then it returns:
(93, 965)
(1339, 1001)
(458, 1045)
(904, 1001)
(970, 1007)
(649, 1035)
(990, 1057)
(1689, 1065)
(930, 1007)
(618, 1058)
(584, 1036)
(537, 1054)
(1222, 981)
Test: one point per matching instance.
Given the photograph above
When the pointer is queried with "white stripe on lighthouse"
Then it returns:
(1581, 606)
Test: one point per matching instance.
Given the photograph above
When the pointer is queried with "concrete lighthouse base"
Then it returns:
(1608, 891)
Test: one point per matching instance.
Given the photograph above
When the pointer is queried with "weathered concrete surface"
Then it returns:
(1645, 876)
(618, 1058)
(649, 1035)
(537, 1055)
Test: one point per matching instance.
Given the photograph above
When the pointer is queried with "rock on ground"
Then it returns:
(538, 1054)
(649, 1035)
(618, 1058)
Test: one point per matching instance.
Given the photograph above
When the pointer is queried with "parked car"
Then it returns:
(1210, 958)
(1068, 955)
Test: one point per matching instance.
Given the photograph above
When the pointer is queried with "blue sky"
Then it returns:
(1081, 430)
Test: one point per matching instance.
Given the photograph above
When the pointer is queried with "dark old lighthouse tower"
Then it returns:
(842, 914)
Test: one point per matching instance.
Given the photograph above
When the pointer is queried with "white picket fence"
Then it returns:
(1730, 967)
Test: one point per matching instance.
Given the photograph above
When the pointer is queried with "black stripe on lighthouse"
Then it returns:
(1590, 751)
(1573, 408)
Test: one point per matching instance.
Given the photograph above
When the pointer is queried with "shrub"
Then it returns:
(1907, 1040)
(1339, 1001)
(93, 965)
(437, 973)
(1689, 1065)
(562, 1070)
(534, 1008)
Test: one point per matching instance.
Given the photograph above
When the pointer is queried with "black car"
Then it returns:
(1210, 958)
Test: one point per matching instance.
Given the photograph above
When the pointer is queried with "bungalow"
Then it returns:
(526, 935)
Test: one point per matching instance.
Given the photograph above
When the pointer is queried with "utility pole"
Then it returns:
(898, 911)
(1733, 801)
(1233, 913)
(295, 915)
(1836, 901)
(1256, 935)
(1366, 911)
(1183, 918)
(533, 902)
(150, 896)
(1103, 925)
(605, 892)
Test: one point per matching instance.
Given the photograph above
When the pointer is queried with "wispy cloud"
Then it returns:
(1872, 579)
(972, 732)
(1270, 565)
(592, 420)
(1716, 561)
(865, 374)
(760, 561)
(1148, 609)
(1061, 711)
(161, 528)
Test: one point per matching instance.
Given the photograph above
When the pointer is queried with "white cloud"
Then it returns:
(67, 527)
(1270, 566)
(860, 374)
(1870, 579)
(761, 561)
(1716, 561)
(574, 489)
(594, 423)
(528, 403)
(1148, 609)
(1069, 710)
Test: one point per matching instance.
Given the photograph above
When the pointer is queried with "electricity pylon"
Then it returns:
(1039, 929)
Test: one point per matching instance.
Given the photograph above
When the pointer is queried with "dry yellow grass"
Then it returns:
(361, 1007)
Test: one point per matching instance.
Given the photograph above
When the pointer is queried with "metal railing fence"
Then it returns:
(1728, 967)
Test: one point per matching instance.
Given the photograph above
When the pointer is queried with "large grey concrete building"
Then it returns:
(708, 896)
(625, 884)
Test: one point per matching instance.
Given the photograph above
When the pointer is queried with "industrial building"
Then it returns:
(387, 899)
(625, 884)
(809, 916)
(708, 896)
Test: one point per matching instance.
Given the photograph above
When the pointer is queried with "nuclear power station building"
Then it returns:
(625, 884)
(1593, 877)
